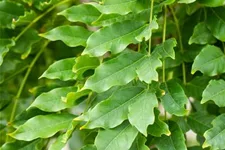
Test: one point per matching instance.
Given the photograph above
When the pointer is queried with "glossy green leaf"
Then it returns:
(25, 19)
(52, 101)
(57, 144)
(119, 138)
(215, 91)
(216, 22)
(215, 136)
(71, 35)
(84, 63)
(61, 69)
(81, 13)
(201, 35)
(210, 61)
(212, 3)
(141, 112)
(175, 141)
(159, 127)
(5, 44)
(139, 143)
(42, 126)
(117, 71)
(174, 98)
(114, 38)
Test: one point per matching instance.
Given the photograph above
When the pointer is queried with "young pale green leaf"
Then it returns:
(84, 63)
(201, 35)
(175, 141)
(199, 122)
(215, 136)
(117, 71)
(85, 13)
(119, 138)
(159, 127)
(212, 3)
(25, 19)
(174, 98)
(210, 61)
(114, 38)
(215, 91)
(57, 144)
(71, 35)
(42, 126)
(61, 69)
(186, 1)
(5, 45)
(139, 143)
(141, 112)
(216, 22)
(52, 101)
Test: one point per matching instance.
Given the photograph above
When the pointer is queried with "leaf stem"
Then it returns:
(163, 40)
(180, 43)
(150, 21)
(38, 18)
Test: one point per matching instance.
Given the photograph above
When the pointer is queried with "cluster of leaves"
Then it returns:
(113, 74)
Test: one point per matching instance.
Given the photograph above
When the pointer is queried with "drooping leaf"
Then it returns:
(216, 21)
(84, 63)
(215, 91)
(201, 35)
(71, 35)
(139, 143)
(52, 101)
(85, 13)
(212, 3)
(174, 98)
(215, 136)
(25, 19)
(159, 127)
(210, 61)
(119, 138)
(42, 126)
(114, 38)
(117, 71)
(5, 44)
(175, 141)
(61, 69)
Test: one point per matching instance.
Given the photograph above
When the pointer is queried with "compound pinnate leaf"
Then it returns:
(81, 13)
(71, 35)
(52, 101)
(174, 98)
(201, 35)
(5, 44)
(212, 3)
(215, 91)
(210, 61)
(119, 138)
(117, 71)
(114, 38)
(61, 69)
(175, 141)
(216, 22)
(215, 136)
(42, 126)
(139, 143)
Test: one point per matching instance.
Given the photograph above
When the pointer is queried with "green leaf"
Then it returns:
(72, 36)
(174, 98)
(89, 147)
(216, 22)
(114, 38)
(57, 144)
(42, 126)
(139, 143)
(212, 3)
(85, 13)
(201, 35)
(215, 91)
(159, 127)
(117, 71)
(210, 61)
(141, 112)
(84, 63)
(52, 101)
(119, 138)
(28, 17)
(215, 136)
(69, 131)
(186, 1)
(175, 141)
(5, 44)
(61, 69)
(199, 122)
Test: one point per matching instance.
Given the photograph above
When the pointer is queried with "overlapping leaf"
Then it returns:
(212, 3)
(28, 17)
(139, 143)
(5, 44)
(215, 91)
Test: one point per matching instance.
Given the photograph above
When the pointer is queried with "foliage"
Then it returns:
(112, 74)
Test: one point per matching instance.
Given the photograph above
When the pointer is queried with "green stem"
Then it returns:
(163, 40)
(38, 18)
(150, 21)
(180, 43)
(139, 47)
